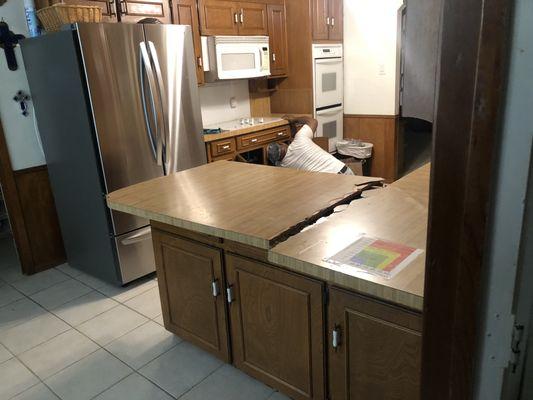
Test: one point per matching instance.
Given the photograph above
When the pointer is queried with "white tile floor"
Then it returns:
(67, 335)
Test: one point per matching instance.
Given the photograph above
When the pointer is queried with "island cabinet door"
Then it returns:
(374, 349)
(190, 284)
(277, 327)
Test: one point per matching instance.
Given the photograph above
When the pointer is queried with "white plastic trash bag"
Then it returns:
(355, 148)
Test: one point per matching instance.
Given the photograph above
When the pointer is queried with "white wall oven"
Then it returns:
(235, 57)
(328, 85)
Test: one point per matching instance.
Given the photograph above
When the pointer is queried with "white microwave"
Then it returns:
(235, 57)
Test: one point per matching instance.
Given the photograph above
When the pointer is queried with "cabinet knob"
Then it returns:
(215, 287)
(229, 294)
(336, 337)
(274, 57)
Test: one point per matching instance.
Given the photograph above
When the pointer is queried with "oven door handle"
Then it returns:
(336, 60)
(329, 111)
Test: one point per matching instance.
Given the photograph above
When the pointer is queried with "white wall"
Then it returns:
(215, 101)
(371, 56)
(21, 135)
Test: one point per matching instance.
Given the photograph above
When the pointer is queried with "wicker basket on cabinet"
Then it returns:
(57, 15)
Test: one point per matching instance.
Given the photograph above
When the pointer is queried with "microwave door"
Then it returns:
(240, 61)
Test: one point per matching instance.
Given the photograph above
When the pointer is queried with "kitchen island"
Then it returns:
(240, 267)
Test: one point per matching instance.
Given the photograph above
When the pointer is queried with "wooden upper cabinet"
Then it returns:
(219, 17)
(378, 349)
(277, 32)
(253, 19)
(277, 327)
(232, 18)
(191, 287)
(320, 17)
(336, 14)
(327, 19)
(185, 12)
(135, 10)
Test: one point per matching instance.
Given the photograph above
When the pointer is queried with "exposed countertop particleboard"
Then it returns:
(396, 213)
(246, 203)
(244, 130)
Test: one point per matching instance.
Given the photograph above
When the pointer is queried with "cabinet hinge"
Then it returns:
(229, 294)
(518, 333)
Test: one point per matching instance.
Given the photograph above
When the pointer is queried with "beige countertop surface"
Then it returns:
(247, 203)
(396, 213)
(233, 128)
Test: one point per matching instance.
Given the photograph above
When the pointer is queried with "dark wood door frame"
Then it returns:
(14, 208)
(470, 99)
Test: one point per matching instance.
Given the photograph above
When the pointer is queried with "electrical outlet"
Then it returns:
(233, 102)
(381, 69)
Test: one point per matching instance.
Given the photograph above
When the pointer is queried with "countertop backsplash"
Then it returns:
(215, 99)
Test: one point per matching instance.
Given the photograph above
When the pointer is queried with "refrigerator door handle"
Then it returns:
(157, 99)
(164, 106)
(138, 236)
(152, 140)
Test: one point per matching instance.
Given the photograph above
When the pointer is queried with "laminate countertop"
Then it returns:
(396, 213)
(257, 205)
(232, 128)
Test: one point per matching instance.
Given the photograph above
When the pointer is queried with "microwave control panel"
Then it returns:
(265, 59)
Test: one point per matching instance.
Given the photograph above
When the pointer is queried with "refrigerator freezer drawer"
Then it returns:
(135, 254)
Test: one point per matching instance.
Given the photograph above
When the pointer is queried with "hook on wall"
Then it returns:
(22, 98)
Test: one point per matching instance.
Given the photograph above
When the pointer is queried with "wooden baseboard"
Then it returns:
(382, 131)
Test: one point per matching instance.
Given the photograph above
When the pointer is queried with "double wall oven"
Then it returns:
(328, 91)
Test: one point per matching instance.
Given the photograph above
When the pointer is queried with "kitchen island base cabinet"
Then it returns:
(374, 351)
(190, 281)
(277, 327)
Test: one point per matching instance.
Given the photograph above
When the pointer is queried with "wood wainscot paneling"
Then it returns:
(32, 214)
(40, 218)
(382, 131)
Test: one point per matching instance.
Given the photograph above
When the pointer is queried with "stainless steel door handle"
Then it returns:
(139, 236)
(163, 107)
(142, 71)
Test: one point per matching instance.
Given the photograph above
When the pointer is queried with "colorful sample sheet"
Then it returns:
(375, 256)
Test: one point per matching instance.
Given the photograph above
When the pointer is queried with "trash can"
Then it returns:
(356, 154)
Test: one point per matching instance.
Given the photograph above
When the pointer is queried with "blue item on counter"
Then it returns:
(31, 18)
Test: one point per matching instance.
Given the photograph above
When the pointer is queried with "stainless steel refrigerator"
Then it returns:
(116, 104)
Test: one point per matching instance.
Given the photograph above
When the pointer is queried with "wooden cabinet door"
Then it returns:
(219, 17)
(378, 352)
(253, 19)
(108, 11)
(277, 32)
(135, 10)
(185, 12)
(320, 15)
(188, 273)
(277, 327)
(336, 20)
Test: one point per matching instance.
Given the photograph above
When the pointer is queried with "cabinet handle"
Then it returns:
(274, 57)
(336, 337)
(200, 62)
(332, 21)
(229, 294)
(327, 20)
(215, 287)
(281, 133)
(124, 7)
(236, 18)
(253, 140)
(242, 16)
(225, 147)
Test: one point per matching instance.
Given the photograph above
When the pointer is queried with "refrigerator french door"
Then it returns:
(116, 104)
